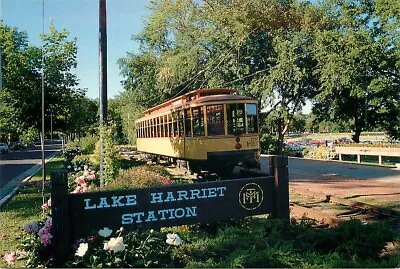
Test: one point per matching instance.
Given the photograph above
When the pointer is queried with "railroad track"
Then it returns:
(330, 210)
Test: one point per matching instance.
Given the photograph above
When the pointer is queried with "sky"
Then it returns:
(80, 17)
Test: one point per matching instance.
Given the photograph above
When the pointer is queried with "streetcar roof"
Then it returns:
(196, 97)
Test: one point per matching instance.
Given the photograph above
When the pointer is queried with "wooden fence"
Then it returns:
(79, 215)
(368, 151)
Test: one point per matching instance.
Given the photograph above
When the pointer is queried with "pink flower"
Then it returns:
(91, 177)
(45, 206)
(10, 258)
(77, 189)
(80, 180)
(3, 235)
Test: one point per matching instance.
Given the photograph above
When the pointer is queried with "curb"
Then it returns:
(12, 187)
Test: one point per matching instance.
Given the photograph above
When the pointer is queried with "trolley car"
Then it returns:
(206, 129)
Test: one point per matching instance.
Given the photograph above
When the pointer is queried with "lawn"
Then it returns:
(24, 207)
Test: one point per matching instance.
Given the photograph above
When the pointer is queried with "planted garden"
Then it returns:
(249, 242)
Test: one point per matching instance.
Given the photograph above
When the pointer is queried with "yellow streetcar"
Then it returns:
(206, 129)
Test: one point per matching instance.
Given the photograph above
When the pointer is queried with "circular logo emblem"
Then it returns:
(251, 196)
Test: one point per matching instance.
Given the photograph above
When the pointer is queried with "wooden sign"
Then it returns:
(80, 215)
(170, 205)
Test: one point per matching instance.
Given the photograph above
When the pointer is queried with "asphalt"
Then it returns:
(19, 166)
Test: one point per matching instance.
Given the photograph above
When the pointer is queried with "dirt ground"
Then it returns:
(385, 193)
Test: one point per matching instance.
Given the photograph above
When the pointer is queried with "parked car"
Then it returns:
(3, 148)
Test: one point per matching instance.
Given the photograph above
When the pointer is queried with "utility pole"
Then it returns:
(1, 52)
(42, 136)
(102, 77)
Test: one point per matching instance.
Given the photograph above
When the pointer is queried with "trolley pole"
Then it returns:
(102, 78)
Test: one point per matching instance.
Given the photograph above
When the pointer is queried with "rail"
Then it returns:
(368, 151)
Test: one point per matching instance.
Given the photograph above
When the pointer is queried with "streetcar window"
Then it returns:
(188, 123)
(198, 121)
(153, 128)
(165, 126)
(251, 116)
(175, 124)
(235, 114)
(171, 131)
(159, 126)
(181, 124)
(215, 119)
(156, 124)
(150, 129)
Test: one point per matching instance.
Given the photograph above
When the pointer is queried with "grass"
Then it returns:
(23, 208)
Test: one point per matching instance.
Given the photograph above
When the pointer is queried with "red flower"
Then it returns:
(3, 235)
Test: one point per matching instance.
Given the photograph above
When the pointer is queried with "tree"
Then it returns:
(21, 105)
(358, 66)
(187, 45)
(20, 81)
(289, 83)
(62, 96)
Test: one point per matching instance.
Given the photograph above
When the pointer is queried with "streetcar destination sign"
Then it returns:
(171, 205)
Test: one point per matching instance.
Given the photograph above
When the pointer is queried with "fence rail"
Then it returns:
(369, 151)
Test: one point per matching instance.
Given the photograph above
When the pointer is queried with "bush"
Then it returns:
(139, 177)
(273, 243)
(88, 143)
(111, 156)
(29, 136)
(322, 152)
(268, 144)
(135, 249)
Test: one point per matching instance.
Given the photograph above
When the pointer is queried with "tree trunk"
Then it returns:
(357, 131)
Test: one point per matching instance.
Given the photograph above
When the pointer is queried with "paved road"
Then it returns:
(17, 162)
(304, 169)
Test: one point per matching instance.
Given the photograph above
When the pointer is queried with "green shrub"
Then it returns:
(80, 160)
(362, 240)
(268, 144)
(139, 177)
(111, 157)
(273, 243)
(29, 136)
(88, 144)
(322, 152)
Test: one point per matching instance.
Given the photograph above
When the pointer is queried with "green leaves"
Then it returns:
(20, 106)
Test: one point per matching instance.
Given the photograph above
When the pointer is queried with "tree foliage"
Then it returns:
(358, 66)
(67, 110)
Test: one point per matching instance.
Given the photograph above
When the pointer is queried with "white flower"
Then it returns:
(83, 247)
(120, 229)
(105, 232)
(115, 244)
(151, 231)
(173, 239)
